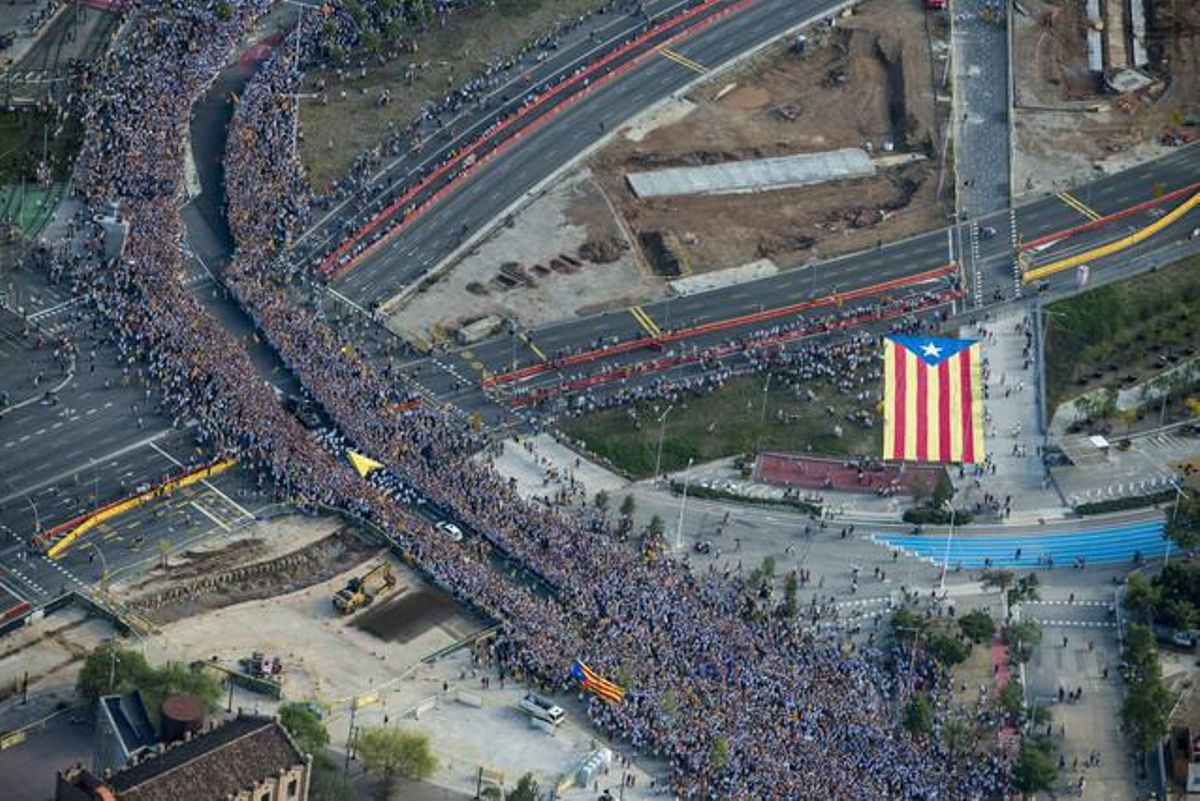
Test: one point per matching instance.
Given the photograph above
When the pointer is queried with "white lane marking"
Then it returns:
(209, 515)
(206, 483)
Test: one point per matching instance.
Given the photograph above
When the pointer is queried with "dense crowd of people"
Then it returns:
(796, 715)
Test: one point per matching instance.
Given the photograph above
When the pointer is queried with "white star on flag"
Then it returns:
(931, 350)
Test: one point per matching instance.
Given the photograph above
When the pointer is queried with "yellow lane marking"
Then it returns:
(1117, 246)
(536, 350)
(645, 321)
(683, 61)
(1078, 205)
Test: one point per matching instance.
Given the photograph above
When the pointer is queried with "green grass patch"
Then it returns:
(723, 423)
(1124, 332)
(1122, 504)
(336, 133)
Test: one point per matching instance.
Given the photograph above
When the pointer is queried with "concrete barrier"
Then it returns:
(423, 707)
(469, 699)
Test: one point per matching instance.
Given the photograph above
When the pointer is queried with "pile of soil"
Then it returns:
(228, 576)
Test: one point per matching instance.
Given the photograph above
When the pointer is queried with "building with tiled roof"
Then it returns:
(249, 758)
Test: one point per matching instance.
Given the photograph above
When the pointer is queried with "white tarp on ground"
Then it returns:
(754, 176)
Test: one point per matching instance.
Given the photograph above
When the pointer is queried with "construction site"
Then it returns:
(824, 144)
(840, 133)
(1100, 85)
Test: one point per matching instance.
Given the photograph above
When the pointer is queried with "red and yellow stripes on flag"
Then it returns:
(932, 412)
(591, 681)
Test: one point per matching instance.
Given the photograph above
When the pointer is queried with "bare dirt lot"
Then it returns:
(563, 253)
(272, 558)
(1067, 126)
(866, 82)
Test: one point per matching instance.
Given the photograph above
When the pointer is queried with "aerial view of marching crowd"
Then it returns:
(799, 716)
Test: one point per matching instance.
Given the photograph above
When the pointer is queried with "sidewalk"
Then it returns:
(1011, 420)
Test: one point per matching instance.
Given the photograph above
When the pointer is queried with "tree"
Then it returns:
(164, 550)
(1141, 595)
(1026, 590)
(791, 586)
(1183, 525)
(527, 789)
(176, 678)
(918, 715)
(907, 624)
(996, 579)
(1147, 703)
(657, 526)
(602, 502)
(110, 669)
(978, 626)
(305, 727)
(718, 755)
(943, 490)
(627, 506)
(396, 753)
(956, 736)
(947, 651)
(1012, 701)
(1022, 638)
(1035, 770)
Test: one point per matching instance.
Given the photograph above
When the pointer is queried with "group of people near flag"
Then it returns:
(797, 716)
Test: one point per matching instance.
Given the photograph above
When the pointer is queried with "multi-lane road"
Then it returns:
(566, 134)
(90, 447)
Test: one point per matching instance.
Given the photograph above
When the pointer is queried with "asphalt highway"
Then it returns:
(1106, 196)
(490, 189)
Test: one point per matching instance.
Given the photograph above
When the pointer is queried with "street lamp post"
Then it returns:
(103, 566)
(37, 518)
(682, 504)
(946, 556)
(662, 430)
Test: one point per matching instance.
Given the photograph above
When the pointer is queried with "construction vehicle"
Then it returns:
(362, 590)
(259, 666)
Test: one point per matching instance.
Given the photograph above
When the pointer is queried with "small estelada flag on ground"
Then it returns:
(933, 400)
(591, 681)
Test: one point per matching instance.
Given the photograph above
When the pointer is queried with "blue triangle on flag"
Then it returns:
(931, 350)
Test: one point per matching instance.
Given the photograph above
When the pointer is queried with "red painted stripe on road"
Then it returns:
(1101, 221)
(329, 263)
(719, 325)
(530, 397)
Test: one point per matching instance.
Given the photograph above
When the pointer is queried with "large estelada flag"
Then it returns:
(933, 400)
(591, 681)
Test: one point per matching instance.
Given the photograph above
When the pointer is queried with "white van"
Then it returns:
(541, 708)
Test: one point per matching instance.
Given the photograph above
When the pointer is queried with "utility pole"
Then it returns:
(682, 504)
(350, 736)
(946, 557)
(37, 518)
(662, 430)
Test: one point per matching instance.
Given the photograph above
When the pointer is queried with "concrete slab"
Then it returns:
(755, 175)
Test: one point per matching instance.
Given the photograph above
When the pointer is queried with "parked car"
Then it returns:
(451, 530)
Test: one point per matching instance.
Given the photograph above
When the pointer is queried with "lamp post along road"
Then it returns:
(946, 556)
(662, 430)
(682, 504)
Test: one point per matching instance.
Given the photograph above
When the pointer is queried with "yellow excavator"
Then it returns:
(361, 590)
